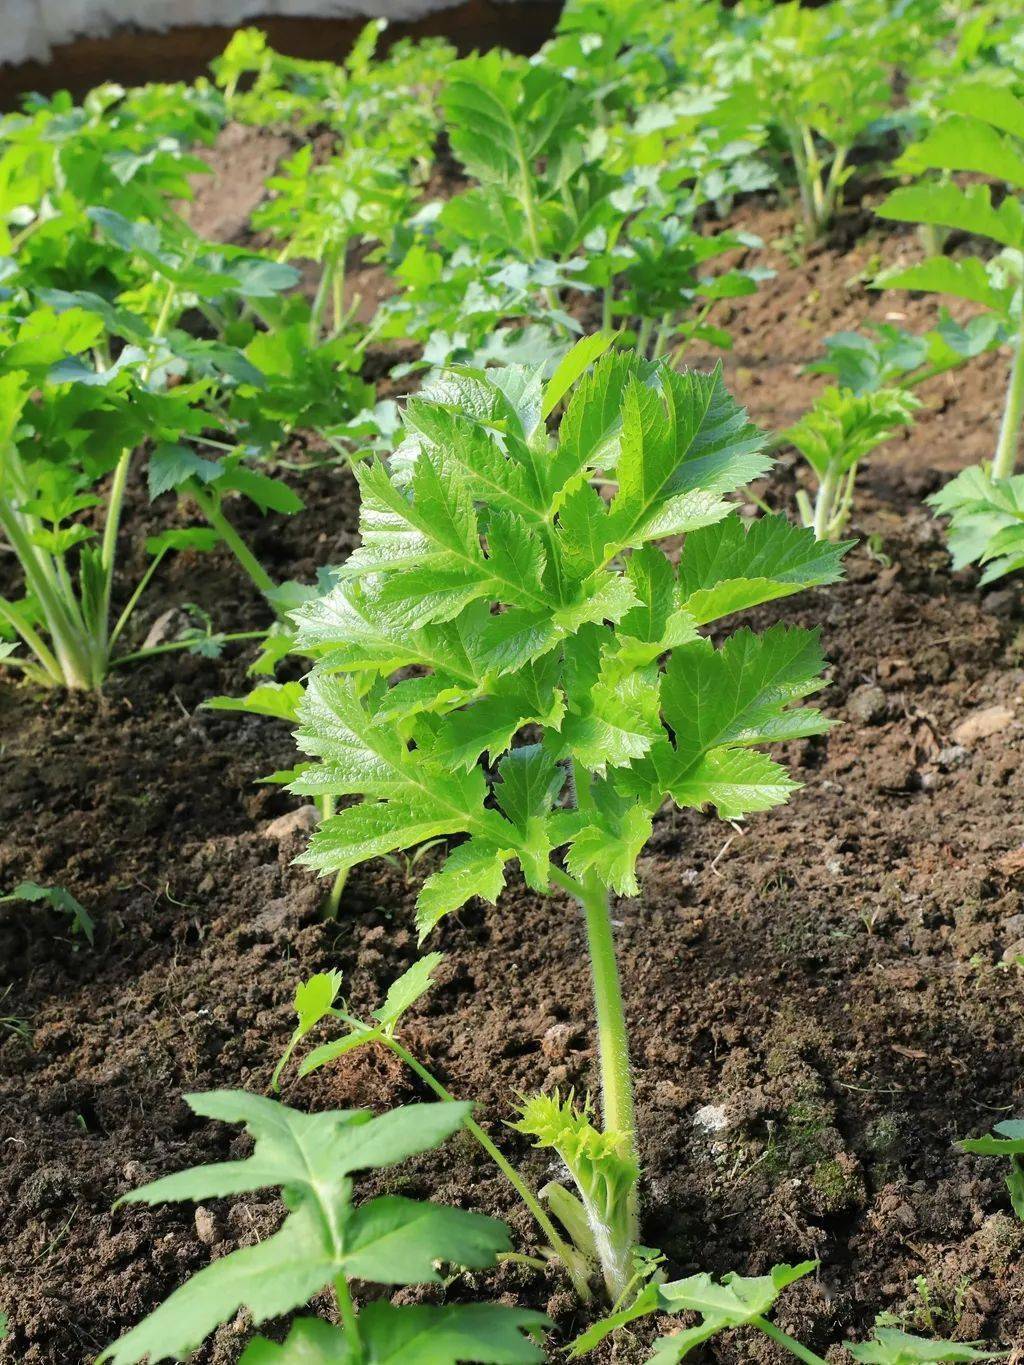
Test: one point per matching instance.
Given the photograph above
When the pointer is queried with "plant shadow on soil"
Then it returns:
(834, 978)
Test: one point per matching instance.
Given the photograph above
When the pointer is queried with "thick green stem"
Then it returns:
(210, 507)
(1006, 450)
(666, 329)
(565, 1253)
(607, 302)
(347, 1313)
(35, 642)
(328, 807)
(617, 1105)
(794, 1347)
(824, 503)
(64, 631)
(799, 155)
(834, 184)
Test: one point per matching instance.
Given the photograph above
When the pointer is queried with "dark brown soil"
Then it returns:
(836, 978)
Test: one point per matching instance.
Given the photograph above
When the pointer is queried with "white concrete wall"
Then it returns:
(29, 28)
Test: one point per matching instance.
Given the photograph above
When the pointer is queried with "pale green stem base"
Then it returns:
(1006, 450)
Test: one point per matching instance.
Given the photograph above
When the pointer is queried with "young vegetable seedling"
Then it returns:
(821, 85)
(520, 574)
(744, 1301)
(58, 899)
(315, 1001)
(326, 1240)
(984, 134)
(842, 429)
(1006, 1140)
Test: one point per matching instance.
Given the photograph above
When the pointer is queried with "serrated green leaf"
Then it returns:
(310, 1156)
(653, 580)
(309, 1342)
(734, 781)
(573, 364)
(417, 1334)
(475, 868)
(279, 700)
(680, 449)
(728, 567)
(399, 1241)
(410, 987)
(739, 694)
(172, 465)
(450, 1335)
(962, 143)
(203, 539)
(669, 1350)
(611, 849)
(59, 899)
(269, 495)
(314, 999)
(965, 279)
(738, 1298)
(893, 1347)
(969, 210)
(531, 782)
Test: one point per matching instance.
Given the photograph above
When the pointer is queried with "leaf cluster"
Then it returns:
(511, 630)
(326, 1238)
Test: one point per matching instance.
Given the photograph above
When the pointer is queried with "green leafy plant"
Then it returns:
(735, 1301)
(316, 999)
(517, 128)
(492, 564)
(328, 1240)
(890, 1346)
(371, 99)
(816, 80)
(986, 521)
(840, 431)
(1006, 1140)
(58, 899)
(889, 356)
(322, 210)
(982, 133)
(744, 1301)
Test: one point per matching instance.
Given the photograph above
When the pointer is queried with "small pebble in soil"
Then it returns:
(867, 705)
(713, 1118)
(980, 724)
(299, 821)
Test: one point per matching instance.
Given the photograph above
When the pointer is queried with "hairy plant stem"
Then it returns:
(617, 1106)
(573, 1263)
(532, 226)
(1006, 450)
(794, 1347)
